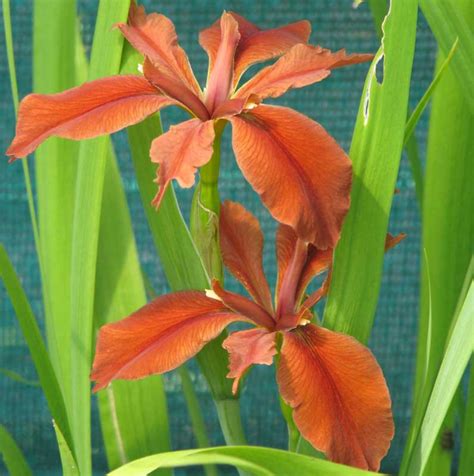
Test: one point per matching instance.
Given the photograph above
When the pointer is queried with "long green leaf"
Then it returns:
(12, 455)
(105, 61)
(449, 19)
(257, 460)
(448, 220)
(423, 102)
(32, 335)
(133, 414)
(375, 152)
(453, 365)
(55, 171)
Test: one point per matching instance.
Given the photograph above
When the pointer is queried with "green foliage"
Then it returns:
(256, 460)
(12, 455)
(448, 219)
(375, 153)
(459, 349)
(32, 335)
(451, 19)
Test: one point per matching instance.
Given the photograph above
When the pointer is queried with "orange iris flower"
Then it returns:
(339, 397)
(301, 174)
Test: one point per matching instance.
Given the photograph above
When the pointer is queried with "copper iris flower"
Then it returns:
(301, 174)
(333, 383)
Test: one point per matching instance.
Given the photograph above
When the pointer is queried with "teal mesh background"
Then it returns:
(333, 103)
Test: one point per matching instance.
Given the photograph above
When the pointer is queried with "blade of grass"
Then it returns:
(447, 224)
(420, 107)
(466, 459)
(449, 19)
(256, 460)
(120, 291)
(375, 152)
(12, 455)
(32, 335)
(55, 170)
(456, 358)
(105, 61)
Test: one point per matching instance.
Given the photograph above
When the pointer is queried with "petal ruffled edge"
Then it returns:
(339, 395)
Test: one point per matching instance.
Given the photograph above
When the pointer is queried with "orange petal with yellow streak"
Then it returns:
(297, 168)
(340, 400)
(300, 66)
(247, 348)
(241, 241)
(180, 151)
(98, 107)
(158, 337)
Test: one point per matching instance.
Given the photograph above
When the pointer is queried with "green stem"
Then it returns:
(204, 229)
(205, 210)
(228, 412)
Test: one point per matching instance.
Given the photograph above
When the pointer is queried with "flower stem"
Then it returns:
(205, 210)
(205, 231)
(228, 412)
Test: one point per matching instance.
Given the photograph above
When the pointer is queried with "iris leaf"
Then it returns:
(449, 19)
(34, 340)
(12, 455)
(105, 61)
(376, 150)
(456, 358)
(256, 460)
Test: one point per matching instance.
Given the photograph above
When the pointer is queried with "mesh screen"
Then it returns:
(334, 104)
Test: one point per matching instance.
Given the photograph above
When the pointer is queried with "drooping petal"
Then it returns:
(241, 241)
(154, 36)
(244, 306)
(339, 395)
(94, 108)
(255, 45)
(158, 337)
(247, 348)
(221, 76)
(297, 168)
(301, 66)
(180, 151)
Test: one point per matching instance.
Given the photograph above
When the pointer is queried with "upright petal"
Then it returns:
(241, 241)
(268, 44)
(219, 83)
(98, 107)
(154, 36)
(158, 337)
(301, 66)
(247, 348)
(255, 45)
(339, 396)
(301, 174)
(180, 151)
